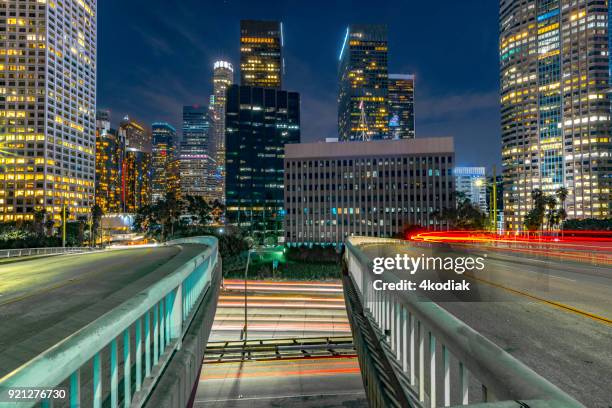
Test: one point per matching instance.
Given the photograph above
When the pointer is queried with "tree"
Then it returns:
(96, 218)
(39, 220)
(465, 215)
(551, 213)
(199, 208)
(562, 194)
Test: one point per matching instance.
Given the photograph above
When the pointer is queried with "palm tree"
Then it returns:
(551, 204)
(562, 194)
(39, 220)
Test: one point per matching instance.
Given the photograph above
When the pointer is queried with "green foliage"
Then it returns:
(547, 210)
(465, 215)
(316, 254)
(589, 224)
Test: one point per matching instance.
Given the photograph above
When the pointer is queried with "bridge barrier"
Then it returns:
(411, 342)
(141, 336)
(17, 252)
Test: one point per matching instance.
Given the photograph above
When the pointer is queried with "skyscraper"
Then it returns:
(555, 106)
(260, 122)
(223, 77)
(363, 84)
(136, 172)
(48, 107)
(164, 152)
(196, 166)
(109, 164)
(401, 106)
(261, 49)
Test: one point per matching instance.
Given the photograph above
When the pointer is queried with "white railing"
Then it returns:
(13, 253)
(423, 339)
(147, 329)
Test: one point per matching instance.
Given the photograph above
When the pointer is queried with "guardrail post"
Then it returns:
(421, 363)
(446, 363)
(412, 350)
(176, 326)
(432, 369)
(148, 343)
(155, 335)
(127, 369)
(463, 378)
(404, 345)
(97, 382)
(114, 375)
(162, 327)
(75, 389)
(138, 354)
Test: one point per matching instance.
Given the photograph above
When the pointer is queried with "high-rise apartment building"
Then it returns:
(136, 166)
(164, 153)
(223, 77)
(196, 166)
(401, 106)
(259, 123)
(555, 105)
(363, 108)
(377, 188)
(472, 182)
(109, 165)
(261, 53)
(47, 107)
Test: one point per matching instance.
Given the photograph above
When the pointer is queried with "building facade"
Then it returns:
(164, 154)
(261, 53)
(259, 123)
(401, 106)
(47, 107)
(363, 84)
(109, 165)
(377, 188)
(136, 166)
(196, 166)
(555, 105)
(472, 182)
(223, 77)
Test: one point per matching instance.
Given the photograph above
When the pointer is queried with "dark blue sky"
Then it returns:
(156, 56)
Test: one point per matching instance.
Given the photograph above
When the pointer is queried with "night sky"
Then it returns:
(155, 56)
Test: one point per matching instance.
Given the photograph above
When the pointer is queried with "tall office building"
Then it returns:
(261, 53)
(136, 166)
(363, 110)
(47, 107)
(336, 190)
(223, 77)
(401, 106)
(196, 166)
(109, 164)
(555, 106)
(259, 123)
(472, 182)
(164, 153)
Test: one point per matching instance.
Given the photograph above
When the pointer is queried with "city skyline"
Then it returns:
(311, 65)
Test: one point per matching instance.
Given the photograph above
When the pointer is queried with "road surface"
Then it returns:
(44, 300)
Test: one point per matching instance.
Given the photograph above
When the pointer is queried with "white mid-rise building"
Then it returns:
(47, 107)
(472, 182)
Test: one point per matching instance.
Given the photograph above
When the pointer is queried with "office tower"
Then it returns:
(363, 84)
(555, 107)
(196, 166)
(259, 123)
(401, 106)
(137, 160)
(335, 190)
(472, 182)
(164, 152)
(47, 107)
(261, 49)
(109, 165)
(223, 77)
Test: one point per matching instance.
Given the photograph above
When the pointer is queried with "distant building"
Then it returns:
(136, 166)
(109, 164)
(363, 84)
(259, 123)
(472, 182)
(196, 166)
(401, 106)
(336, 190)
(223, 77)
(164, 153)
(261, 53)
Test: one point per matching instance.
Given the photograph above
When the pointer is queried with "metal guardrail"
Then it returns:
(17, 252)
(421, 338)
(148, 328)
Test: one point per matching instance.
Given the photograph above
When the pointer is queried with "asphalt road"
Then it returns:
(44, 300)
(553, 316)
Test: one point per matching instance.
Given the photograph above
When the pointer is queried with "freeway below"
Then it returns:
(556, 317)
(44, 300)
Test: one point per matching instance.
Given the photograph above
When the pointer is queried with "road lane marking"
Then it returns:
(559, 305)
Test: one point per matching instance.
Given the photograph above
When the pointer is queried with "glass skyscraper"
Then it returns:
(196, 167)
(109, 164)
(261, 53)
(136, 165)
(401, 106)
(363, 84)
(164, 152)
(555, 106)
(223, 77)
(259, 123)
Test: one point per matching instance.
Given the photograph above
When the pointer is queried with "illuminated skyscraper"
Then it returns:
(47, 107)
(472, 182)
(223, 77)
(109, 164)
(401, 106)
(136, 173)
(555, 107)
(261, 49)
(363, 84)
(164, 152)
(197, 167)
